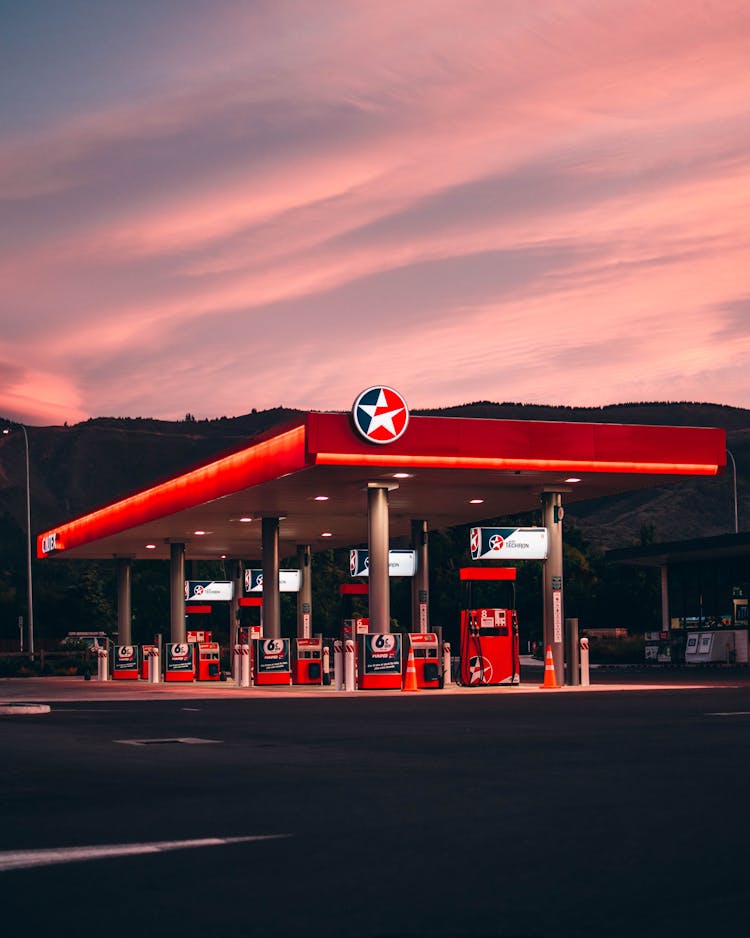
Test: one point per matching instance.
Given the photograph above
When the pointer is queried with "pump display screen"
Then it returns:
(492, 622)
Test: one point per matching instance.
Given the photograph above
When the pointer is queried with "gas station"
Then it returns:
(373, 475)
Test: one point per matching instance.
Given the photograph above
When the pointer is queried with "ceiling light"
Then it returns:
(476, 501)
(402, 475)
(573, 479)
(321, 498)
(327, 534)
(199, 533)
(245, 520)
(150, 546)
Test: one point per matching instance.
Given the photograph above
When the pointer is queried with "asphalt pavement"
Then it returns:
(615, 810)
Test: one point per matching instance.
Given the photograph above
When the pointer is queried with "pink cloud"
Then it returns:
(576, 171)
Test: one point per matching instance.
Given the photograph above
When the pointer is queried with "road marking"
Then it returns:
(23, 709)
(187, 740)
(730, 713)
(23, 859)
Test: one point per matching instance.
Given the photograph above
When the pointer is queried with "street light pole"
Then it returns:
(28, 541)
(734, 480)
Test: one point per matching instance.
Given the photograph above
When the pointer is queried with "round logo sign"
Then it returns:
(380, 415)
(480, 670)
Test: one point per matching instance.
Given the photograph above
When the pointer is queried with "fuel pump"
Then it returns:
(489, 648)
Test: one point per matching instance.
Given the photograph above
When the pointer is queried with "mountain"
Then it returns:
(78, 468)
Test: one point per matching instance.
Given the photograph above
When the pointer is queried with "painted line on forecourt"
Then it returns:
(24, 859)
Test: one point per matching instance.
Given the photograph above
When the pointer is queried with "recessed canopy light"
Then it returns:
(573, 479)
(321, 498)
(402, 475)
(246, 520)
(150, 546)
(199, 533)
(327, 534)
(476, 501)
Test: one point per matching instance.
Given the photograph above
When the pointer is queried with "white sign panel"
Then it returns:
(508, 543)
(290, 581)
(557, 615)
(400, 562)
(210, 591)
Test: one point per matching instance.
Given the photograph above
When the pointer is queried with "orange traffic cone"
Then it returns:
(550, 679)
(410, 679)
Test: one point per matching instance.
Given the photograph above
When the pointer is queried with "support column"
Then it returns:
(304, 597)
(271, 604)
(124, 609)
(177, 629)
(666, 620)
(420, 584)
(378, 544)
(552, 515)
(238, 584)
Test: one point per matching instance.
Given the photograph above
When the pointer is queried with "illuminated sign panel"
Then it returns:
(290, 581)
(209, 590)
(508, 543)
(400, 562)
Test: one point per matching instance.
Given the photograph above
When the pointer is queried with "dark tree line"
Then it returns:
(82, 595)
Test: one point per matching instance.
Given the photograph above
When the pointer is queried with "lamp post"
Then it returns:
(28, 541)
(734, 489)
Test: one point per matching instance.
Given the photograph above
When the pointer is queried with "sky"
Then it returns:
(210, 206)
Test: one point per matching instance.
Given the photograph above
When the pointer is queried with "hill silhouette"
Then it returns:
(78, 468)
(75, 469)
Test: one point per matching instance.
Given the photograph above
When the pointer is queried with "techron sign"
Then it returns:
(508, 543)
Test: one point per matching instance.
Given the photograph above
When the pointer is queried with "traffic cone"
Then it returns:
(549, 670)
(410, 679)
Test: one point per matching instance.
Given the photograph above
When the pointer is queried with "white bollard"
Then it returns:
(446, 664)
(153, 665)
(349, 665)
(245, 667)
(102, 664)
(338, 665)
(326, 665)
(583, 647)
(237, 664)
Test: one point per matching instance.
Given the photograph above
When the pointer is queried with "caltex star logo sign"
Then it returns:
(380, 415)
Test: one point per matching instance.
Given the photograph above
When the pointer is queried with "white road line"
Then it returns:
(23, 859)
(730, 713)
(187, 740)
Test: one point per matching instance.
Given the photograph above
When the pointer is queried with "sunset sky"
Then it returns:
(214, 205)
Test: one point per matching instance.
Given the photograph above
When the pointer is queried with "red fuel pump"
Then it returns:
(208, 663)
(307, 660)
(426, 648)
(489, 636)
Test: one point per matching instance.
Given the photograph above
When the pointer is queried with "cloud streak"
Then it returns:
(541, 204)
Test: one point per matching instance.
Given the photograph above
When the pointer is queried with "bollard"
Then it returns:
(338, 665)
(572, 649)
(245, 666)
(446, 664)
(583, 646)
(326, 665)
(153, 665)
(349, 665)
(102, 664)
(237, 664)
